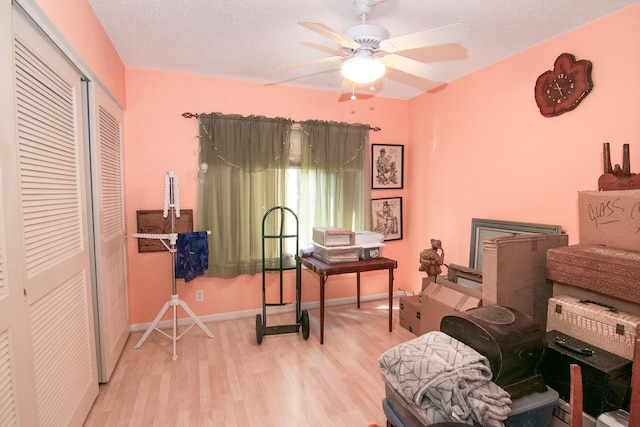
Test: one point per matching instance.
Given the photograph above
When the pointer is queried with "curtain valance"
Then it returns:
(251, 143)
(334, 146)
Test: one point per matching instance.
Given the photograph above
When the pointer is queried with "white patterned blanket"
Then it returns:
(445, 380)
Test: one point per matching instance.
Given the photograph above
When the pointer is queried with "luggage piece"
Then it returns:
(603, 269)
(596, 324)
(606, 377)
(513, 343)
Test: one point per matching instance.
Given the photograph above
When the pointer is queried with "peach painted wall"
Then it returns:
(85, 34)
(159, 139)
(480, 148)
(475, 148)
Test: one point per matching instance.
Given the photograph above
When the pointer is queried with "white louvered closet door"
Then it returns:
(53, 223)
(8, 356)
(17, 393)
(110, 246)
(10, 352)
(16, 390)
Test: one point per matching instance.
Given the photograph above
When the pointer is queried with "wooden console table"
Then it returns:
(324, 270)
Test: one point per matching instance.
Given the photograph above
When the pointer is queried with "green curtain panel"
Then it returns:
(242, 175)
(334, 164)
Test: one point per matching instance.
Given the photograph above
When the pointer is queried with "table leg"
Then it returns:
(358, 288)
(390, 299)
(298, 291)
(323, 279)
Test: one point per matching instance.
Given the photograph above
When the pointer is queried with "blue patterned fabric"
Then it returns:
(192, 255)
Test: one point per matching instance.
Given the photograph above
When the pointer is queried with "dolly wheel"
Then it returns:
(259, 329)
(305, 324)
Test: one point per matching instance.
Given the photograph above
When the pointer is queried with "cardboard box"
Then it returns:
(443, 299)
(610, 218)
(514, 272)
(410, 313)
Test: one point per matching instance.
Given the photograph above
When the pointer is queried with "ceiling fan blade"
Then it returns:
(416, 68)
(330, 33)
(453, 33)
(324, 48)
(303, 76)
(303, 64)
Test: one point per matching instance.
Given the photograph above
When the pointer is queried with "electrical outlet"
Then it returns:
(199, 296)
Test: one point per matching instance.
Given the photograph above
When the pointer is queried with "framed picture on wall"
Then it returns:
(387, 164)
(387, 217)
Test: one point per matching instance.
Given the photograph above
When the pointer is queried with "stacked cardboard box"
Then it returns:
(410, 313)
(607, 259)
(445, 298)
(514, 272)
(610, 218)
(422, 313)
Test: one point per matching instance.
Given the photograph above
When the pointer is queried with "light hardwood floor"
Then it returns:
(230, 380)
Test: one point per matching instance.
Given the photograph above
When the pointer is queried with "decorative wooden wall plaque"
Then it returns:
(152, 222)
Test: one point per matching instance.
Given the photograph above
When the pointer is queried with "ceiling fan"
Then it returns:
(367, 50)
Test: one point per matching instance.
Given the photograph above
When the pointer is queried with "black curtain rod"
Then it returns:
(196, 115)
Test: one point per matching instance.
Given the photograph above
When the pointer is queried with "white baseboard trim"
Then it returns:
(166, 324)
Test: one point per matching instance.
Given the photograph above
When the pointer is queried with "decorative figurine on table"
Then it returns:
(431, 259)
(617, 178)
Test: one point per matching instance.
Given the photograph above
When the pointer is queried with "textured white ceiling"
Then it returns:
(244, 39)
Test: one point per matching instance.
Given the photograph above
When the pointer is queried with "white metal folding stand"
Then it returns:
(171, 205)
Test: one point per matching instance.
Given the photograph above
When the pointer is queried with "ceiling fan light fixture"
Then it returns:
(363, 69)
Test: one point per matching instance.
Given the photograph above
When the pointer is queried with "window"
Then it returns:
(317, 169)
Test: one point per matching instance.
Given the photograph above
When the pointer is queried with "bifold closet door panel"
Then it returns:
(56, 270)
(110, 292)
(17, 388)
